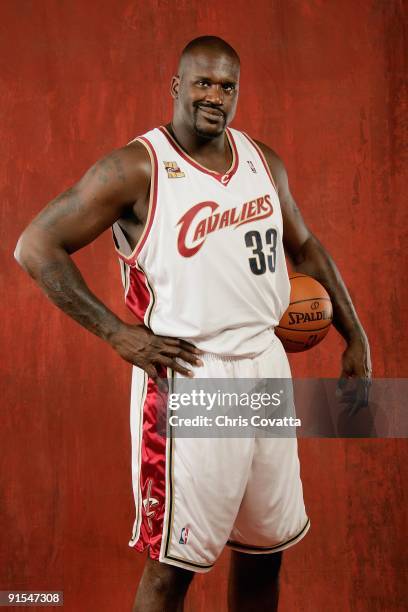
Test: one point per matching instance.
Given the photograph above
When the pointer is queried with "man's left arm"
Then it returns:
(310, 257)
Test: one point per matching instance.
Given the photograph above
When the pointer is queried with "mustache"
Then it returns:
(216, 108)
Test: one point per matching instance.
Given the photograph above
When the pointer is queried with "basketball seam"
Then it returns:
(304, 331)
(314, 299)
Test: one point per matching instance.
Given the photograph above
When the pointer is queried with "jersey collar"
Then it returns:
(224, 179)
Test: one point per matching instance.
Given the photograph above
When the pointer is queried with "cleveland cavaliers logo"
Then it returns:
(204, 218)
(149, 505)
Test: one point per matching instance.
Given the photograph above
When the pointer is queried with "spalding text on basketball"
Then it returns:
(305, 317)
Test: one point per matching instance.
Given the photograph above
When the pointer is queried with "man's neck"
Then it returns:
(196, 145)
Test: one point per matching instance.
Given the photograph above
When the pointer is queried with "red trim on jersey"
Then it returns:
(152, 477)
(263, 160)
(137, 296)
(130, 259)
(225, 178)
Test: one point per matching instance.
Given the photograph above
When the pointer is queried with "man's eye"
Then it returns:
(203, 83)
(229, 87)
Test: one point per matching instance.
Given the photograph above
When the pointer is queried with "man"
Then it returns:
(198, 227)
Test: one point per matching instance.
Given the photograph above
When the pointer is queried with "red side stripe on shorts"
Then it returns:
(153, 468)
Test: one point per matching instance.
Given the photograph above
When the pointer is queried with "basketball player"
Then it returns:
(201, 215)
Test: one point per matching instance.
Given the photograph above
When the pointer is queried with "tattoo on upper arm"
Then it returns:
(119, 168)
(70, 202)
(105, 167)
(62, 206)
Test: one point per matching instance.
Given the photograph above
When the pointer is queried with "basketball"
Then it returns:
(308, 317)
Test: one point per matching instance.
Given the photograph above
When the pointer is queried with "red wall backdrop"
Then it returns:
(322, 83)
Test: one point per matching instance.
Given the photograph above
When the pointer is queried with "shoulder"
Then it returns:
(275, 163)
(135, 158)
(120, 178)
(127, 169)
(272, 159)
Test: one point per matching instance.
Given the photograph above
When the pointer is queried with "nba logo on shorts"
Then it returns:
(183, 535)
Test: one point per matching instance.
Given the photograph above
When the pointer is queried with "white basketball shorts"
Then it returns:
(193, 496)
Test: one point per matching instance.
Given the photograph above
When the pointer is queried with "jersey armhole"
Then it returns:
(131, 259)
(263, 160)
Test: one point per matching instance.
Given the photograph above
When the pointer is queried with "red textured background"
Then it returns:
(322, 83)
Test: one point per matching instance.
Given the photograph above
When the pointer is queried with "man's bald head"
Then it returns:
(211, 45)
(205, 89)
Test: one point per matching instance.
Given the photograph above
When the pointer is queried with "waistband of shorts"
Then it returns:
(250, 355)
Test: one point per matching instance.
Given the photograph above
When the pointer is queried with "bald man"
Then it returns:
(198, 212)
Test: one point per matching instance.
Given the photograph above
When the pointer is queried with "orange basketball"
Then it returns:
(308, 316)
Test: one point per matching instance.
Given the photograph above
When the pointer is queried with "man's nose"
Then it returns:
(215, 94)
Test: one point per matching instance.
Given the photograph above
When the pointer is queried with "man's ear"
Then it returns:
(174, 87)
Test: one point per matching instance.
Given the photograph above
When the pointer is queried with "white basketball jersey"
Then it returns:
(210, 265)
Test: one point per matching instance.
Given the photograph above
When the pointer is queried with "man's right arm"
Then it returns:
(75, 218)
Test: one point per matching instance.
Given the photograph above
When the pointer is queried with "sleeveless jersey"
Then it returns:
(210, 266)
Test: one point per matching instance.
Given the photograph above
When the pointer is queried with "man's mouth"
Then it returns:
(213, 112)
